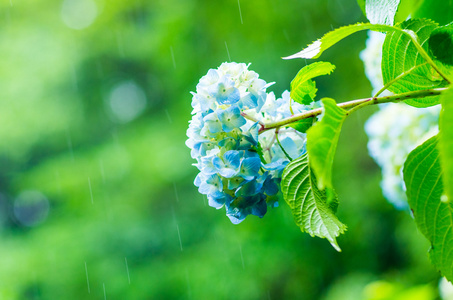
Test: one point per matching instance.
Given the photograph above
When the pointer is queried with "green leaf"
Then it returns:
(361, 4)
(305, 92)
(308, 204)
(434, 217)
(303, 125)
(401, 57)
(441, 44)
(303, 89)
(440, 11)
(446, 141)
(406, 8)
(322, 140)
(381, 11)
(315, 49)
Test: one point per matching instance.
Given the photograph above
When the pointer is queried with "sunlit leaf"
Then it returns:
(406, 8)
(446, 141)
(303, 89)
(308, 204)
(381, 11)
(400, 56)
(441, 44)
(433, 216)
(315, 49)
(361, 4)
(303, 125)
(322, 140)
(437, 10)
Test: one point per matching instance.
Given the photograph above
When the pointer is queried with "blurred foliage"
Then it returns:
(94, 108)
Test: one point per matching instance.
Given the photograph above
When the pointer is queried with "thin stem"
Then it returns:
(359, 107)
(352, 104)
(290, 106)
(426, 56)
(248, 117)
(281, 147)
(391, 82)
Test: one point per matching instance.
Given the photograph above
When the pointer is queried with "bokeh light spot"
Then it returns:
(127, 101)
(31, 208)
(78, 14)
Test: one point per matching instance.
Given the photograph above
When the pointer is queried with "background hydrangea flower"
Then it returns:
(225, 144)
(396, 129)
(393, 132)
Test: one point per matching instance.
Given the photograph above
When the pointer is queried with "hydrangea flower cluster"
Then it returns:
(239, 169)
(396, 129)
(393, 132)
(372, 57)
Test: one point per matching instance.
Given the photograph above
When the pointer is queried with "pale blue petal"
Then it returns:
(231, 118)
(218, 200)
(250, 167)
(207, 166)
(259, 209)
(232, 159)
(227, 172)
(290, 147)
(276, 165)
(199, 179)
(217, 162)
(236, 215)
(249, 189)
(270, 187)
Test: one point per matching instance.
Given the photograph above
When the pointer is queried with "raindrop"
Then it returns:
(177, 227)
(240, 13)
(78, 14)
(179, 236)
(228, 52)
(31, 208)
(127, 101)
(242, 257)
(173, 57)
(127, 269)
(91, 191)
(168, 116)
(88, 282)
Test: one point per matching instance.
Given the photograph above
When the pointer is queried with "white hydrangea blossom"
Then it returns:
(291, 140)
(372, 57)
(396, 129)
(445, 289)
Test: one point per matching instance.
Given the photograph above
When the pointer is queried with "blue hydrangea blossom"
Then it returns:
(233, 174)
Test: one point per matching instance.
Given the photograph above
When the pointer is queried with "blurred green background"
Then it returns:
(96, 185)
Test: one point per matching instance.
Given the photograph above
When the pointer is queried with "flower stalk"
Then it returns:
(350, 105)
